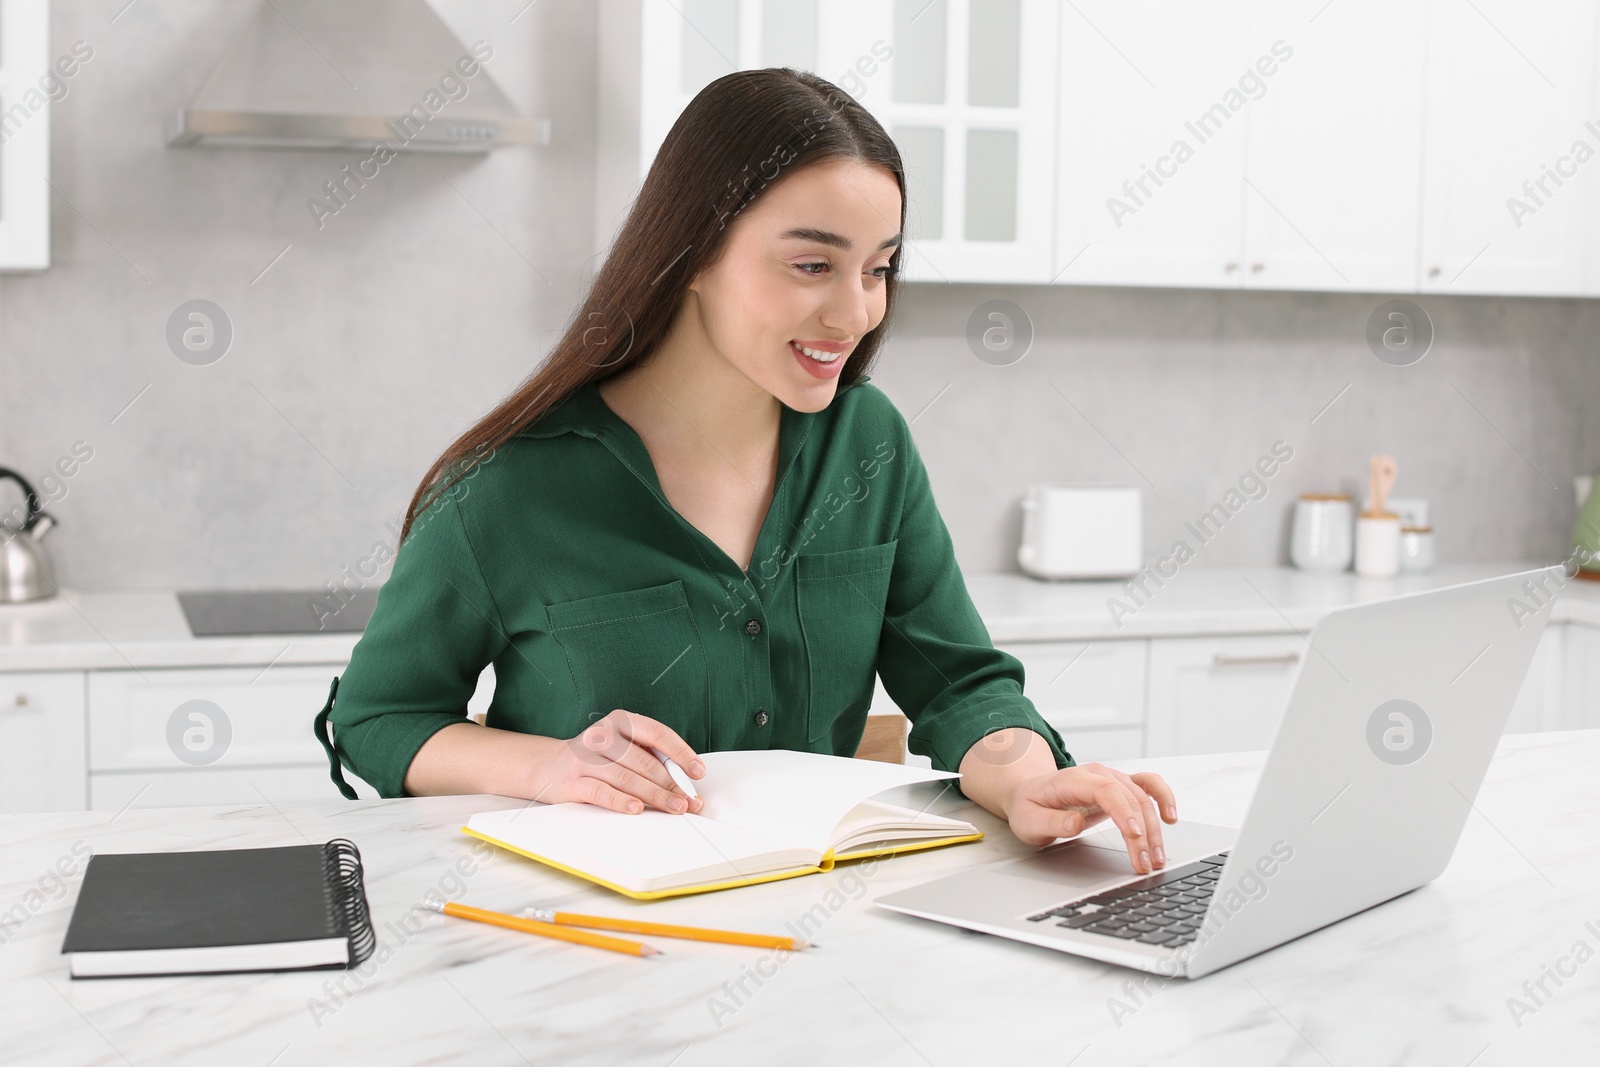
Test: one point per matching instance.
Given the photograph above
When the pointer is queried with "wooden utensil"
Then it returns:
(1381, 474)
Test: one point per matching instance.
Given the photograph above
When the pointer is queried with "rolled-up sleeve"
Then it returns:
(434, 629)
(935, 656)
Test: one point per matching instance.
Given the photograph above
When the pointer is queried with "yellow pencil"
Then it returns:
(693, 933)
(543, 929)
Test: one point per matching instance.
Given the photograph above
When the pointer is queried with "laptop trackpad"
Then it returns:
(1099, 857)
(1073, 864)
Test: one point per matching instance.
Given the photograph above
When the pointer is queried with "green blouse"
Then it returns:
(559, 560)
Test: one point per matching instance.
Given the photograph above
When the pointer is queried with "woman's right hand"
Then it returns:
(611, 765)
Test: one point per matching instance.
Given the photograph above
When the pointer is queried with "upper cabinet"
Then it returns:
(1241, 146)
(970, 100)
(1386, 146)
(1151, 156)
(27, 85)
(965, 87)
(1333, 160)
(1509, 201)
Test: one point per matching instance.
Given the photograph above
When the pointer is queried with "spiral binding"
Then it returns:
(349, 898)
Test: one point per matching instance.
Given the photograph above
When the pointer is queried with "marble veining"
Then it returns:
(1430, 977)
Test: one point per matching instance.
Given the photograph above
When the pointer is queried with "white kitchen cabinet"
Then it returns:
(1150, 175)
(1081, 685)
(1218, 694)
(1085, 746)
(1092, 692)
(1389, 146)
(42, 742)
(210, 734)
(1508, 98)
(24, 134)
(1384, 161)
(971, 103)
(656, 55)
(260, 719)
(256, 717)
(1540, 700)
(100, 739)
(1100, 746)
(964, 87)
(1333, 163)
(1241, 146)
(1580, 703)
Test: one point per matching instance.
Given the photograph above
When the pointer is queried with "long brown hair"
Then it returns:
(738, 136)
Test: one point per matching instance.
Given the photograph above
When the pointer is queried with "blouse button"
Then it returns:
(752, 627)
(761, 717)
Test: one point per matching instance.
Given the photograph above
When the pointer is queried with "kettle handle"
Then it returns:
(32, 498)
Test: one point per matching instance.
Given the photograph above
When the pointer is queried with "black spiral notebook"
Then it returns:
(297, 907)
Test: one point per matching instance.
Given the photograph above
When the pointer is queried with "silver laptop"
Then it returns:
(1395, 712)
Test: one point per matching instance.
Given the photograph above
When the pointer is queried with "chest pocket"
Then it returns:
(841, 597)
(639, 650)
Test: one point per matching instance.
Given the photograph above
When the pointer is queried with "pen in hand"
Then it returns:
(679, 775)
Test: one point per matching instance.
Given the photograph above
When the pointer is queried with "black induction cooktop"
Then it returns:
(235, 613)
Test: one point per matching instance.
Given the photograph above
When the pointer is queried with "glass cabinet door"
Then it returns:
(965, 87)
(971, 104)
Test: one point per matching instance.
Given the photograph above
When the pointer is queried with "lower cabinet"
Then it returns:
(1092, 692)
(1176, 696)
(1224, 694)
(1100, 746)
(211, 735)
(1540, 701)
(1580, 703)
(1218, 694)
(242, 735)
(42, 741)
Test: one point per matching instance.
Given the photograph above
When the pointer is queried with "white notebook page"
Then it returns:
(637, 851)
(765, 810)
(800, 797)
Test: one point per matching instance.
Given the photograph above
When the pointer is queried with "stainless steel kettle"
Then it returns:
(25, 570)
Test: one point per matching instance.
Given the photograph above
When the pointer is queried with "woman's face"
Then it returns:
(804, 265)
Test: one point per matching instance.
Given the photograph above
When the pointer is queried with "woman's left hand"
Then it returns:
(1066, 802)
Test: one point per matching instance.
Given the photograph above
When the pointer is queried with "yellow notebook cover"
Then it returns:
(828, 862)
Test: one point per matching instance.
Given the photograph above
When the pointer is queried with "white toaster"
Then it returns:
(1082, 531)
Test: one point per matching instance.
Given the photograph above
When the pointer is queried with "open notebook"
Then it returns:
(768, 815)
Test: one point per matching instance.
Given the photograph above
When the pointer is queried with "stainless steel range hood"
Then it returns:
(353, 74)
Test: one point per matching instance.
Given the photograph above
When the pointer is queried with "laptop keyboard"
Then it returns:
(1164, 908)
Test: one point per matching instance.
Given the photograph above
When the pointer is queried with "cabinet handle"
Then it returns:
(1255, 268)
(1230, 266)
(21, 700)
(1219, 660)
(1433, 272)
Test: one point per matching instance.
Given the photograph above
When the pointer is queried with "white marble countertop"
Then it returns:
(1425, 978)
(86, 630)
(1222, 600)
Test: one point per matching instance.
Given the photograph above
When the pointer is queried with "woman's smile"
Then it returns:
(821, 359)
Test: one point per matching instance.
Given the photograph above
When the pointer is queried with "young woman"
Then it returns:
(697, 526)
